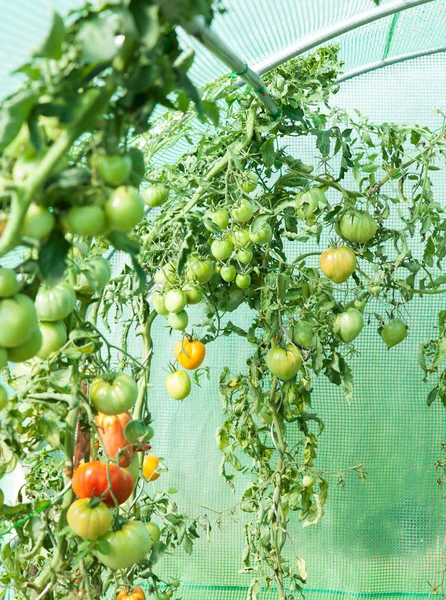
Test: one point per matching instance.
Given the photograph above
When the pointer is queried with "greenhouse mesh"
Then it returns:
(384, 539)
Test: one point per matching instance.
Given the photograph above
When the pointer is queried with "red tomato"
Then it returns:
(90, 479)
(111, 434)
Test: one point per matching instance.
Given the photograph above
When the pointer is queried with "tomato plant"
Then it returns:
(348, 325)
(284, 364)
(124, 209)
(38, 222)
(114, 169)
(357, 226)
(115, 395)
(88, 519)
(53, 336)
(309, 204)
(88, 220)
(175, 301)
(155, 195)
(18, 318)
(9, 285)
(55, 303)
(393, 332)
(126, 546)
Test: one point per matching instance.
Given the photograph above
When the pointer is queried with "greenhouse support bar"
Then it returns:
(333, 31)
(379, 64)
(198, 28)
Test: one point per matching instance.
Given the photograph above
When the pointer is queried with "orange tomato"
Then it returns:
(135, 594)
(190, 353)
(111, 434)
(150, 466)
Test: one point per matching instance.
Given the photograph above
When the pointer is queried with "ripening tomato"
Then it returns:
(302, 334)
(89, 520)
(189, 353)
(124, 209)
(154, 532)
(3, 398)
(357, 226)
(131, 594)
(243, 280)
(112, 437)
(94, 275)
(308, 204)
(55, 303)
(18, 320)
(127, 546)
(228, 273)
(38, 222)
(249, 182)
(338, 263)
(114, 396)
(178, 385)
(261, 235)
(114, 169)
(54, 336)
(9, 286)
(159, 304)
(178, 321)
(222, 249)
(149, 468)
(155, 195)
(348, 325)
(284, 364)
(199, 270)
(90, 479)
(242, 212)
(394, 332)
(175, 301)
(86, 221)
(193, 293)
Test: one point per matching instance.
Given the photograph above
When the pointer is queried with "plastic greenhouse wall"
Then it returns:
(381, 540)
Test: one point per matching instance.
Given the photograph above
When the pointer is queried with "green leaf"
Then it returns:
(97, 41)
(432, 396)
(259, 222)
(52, 257)
(147, 22)
(121, 241)
(49, 428)
(211, 110)
(186, 249)
(323, 140)
(102, 546)
(141, 274)
(301, 570)
(14, 111)
(51, 47)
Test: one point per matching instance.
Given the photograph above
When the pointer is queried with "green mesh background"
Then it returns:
(381, 540)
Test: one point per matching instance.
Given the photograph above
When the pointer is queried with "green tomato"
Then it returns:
(360, 304)
(124, 209)
(284, 364)
(175, 583)
(21, 146)
(175, 301)
(199, 270)
(9, 286)
(233, 301)
(302, 334)
(249, 182)
(94, 276)
(158, 303)
(244, 256)
(114, 397)
(262, 235)
(220, 217)
(114, 169)
(126, 547)
(85, 220)
(154, 532)
(166, 274)
(348, 325)
(138, 432)
(193, 293)
(55, 303)
(3, 357)
(357, 226)
(54, 336)
(28, 349)
(308, 204)
(178, 321)
(241, 237)
(228, 273)
(38, 222)
(394, 332)
(243, 280)
(242, 213)
(222, 249)
(18, 318)
(178, 385)
(308, 482)
(3, 397)
(23, 168)
(155, 195)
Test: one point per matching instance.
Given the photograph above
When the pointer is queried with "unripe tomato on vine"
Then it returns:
(338, 263)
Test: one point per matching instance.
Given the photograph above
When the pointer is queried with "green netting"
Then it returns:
(381, 540)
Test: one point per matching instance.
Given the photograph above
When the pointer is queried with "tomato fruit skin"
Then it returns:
(228, 273)
(154, 532)
(244, 256)
(394, 332)
(357, 226)
(116, 397)
(18, 318)
(193, 294)
(159, 304)
(348, 325)
(3, 397)
(166, 274)
(128, 546)
(178, 321)
(199, 270)
(149, 468)
(54, 336)
(93, 277)
(189, 353)
(55, 303)
(308, 203)
(303, 334)
(135, 594)
(9, 286)
(4, 356)
(308, 482)
(113, 169)
(284, 364)
(222, 249)
(220, 218)
(155, 195)
(178, 385)
(249, 182)
(87, 221)
(338, 263)
(87, 522)
(38, 222)
(243, 212)
(262, 236)
(138, 432)
(241, 237)
(112, 437)
(124, 209)
(90, 479)
(243, 280)
(175, 301)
